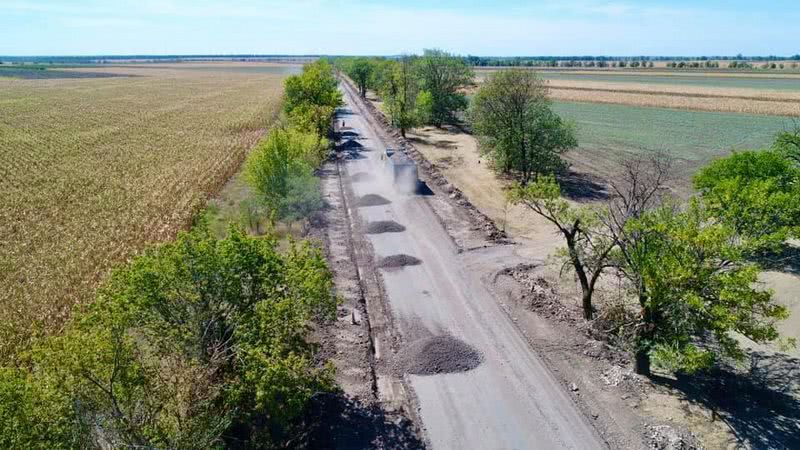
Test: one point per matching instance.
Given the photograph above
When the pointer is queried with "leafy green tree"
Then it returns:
(588, 249)
(360, 70)
(381, 73)
(444, 76)
(424, 107)
(694, 285)
(512, 116)
(788, 144)
(36, 415)
(195, 342)
(400, 94)
(757, 193)
(312, 97)
(280, 169)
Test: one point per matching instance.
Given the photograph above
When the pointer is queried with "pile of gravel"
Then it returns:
(438, 354)
(373, 200)
(360, 177)
(397, 261)
(384, 226)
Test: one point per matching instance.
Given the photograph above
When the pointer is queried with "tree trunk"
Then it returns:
(642, 362)
(645, 331)
(403, 132)
(586, 290)
(586, 302)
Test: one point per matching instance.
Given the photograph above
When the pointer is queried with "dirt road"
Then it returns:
(510, 400)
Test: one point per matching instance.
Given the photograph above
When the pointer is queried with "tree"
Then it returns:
(360, 70)
(788, 144)
(424, 107)
(592, 234)
(400, 94)
(444, 76)
(195, 342)
(757, 193)
(312, 97)
(695, 287)
(587, 248)
(516, 125)
(280, 169)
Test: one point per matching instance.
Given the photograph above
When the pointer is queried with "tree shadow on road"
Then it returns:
(761, 405)
(335, 421)
(786, 260)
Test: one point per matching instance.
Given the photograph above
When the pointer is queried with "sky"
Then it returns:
(364, 27)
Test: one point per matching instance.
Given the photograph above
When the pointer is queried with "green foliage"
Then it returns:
(281, 170)
(756, 192)
(444, 76)
(788, 144)
(360, 70)
(400, 93)
(34, 415)
(424, 107)
(195, 340)
(517, 127)
(694, 282)
(302, 199)
(312, 97)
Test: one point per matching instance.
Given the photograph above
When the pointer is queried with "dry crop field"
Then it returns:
(761, 94)
(94, 169)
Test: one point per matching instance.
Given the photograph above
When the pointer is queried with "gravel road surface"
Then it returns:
(510, 400)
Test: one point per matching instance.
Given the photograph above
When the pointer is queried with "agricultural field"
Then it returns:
(608, 133)
(760, 94)
(95, 169)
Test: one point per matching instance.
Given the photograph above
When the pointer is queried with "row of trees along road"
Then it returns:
(281, 167)
(198, 343)
(691, 268)
(416, 90)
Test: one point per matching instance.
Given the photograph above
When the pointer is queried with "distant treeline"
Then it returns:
(544, 61)
(101, 59)
(480, 61)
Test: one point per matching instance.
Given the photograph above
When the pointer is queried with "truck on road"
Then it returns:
(403, 170)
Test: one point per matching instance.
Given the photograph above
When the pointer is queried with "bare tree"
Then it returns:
(640, 188)
(592, 234)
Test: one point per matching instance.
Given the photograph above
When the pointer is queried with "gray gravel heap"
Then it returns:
(384, 226)
(438, 354)
(397, 261)
(361, 177)
(373, 200)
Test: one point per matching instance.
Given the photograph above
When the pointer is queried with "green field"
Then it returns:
(744, 82)
(607, 132)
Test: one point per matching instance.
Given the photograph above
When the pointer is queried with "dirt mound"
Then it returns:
(397, 261)
(373, 200)
(384, 226)
(361, 177)
(438, 354)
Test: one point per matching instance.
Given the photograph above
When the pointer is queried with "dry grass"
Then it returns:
(93, 170)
